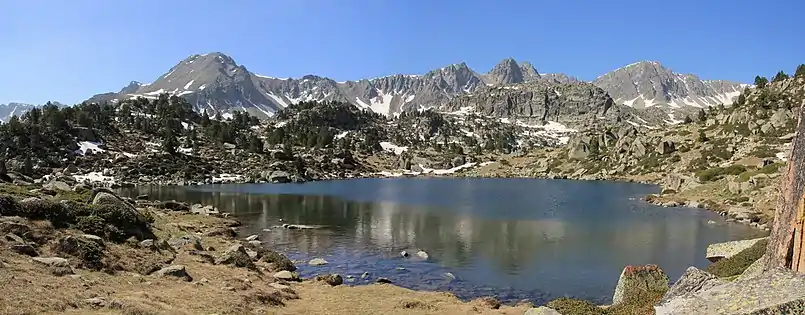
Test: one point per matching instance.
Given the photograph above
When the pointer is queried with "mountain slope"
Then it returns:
(647, 83)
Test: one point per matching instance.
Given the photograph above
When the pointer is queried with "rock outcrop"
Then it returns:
(634, 279)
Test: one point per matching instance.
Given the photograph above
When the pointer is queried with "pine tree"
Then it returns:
(687, 120)
(255, 144)
(169, 143)
(780, 76)
(800, 73)
(761, 82)
(702, 116)
(702, 136)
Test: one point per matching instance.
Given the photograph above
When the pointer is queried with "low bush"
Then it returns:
(574, 306)
(736, 265)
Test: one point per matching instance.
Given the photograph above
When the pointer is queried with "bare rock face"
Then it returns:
(649, 278)
(792, 186)
(694, 280)
(778, 291)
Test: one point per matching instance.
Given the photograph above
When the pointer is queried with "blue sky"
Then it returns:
(70, 50)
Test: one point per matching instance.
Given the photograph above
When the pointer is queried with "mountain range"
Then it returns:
(11, 109)
(214, 82)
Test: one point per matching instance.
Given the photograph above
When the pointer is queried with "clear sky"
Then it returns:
(70, 50)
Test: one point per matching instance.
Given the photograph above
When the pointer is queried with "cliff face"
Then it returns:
(792, 186)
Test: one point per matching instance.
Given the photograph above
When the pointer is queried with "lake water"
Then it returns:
(511, 238)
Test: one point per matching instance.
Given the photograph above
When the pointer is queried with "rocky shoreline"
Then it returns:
(173, 242)
(735, 214)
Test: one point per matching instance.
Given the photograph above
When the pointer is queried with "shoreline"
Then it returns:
(658, 199)
(200, 245)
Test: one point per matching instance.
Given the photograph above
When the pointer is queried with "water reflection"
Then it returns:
(516, 239)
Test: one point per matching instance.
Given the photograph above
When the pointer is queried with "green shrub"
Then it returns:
(638, 302)
(88, 251)
(684, 149)
(675, 159)
(574, 306)
(763, 151)
(736, 265)
(771, 168)
(91, 225)
(668, 192)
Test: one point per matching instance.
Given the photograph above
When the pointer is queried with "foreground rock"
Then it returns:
(637, 279)
(718, 251)
(542, 310)
(778, 291)
(693, 281)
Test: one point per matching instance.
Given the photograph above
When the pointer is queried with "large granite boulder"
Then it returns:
(634, 279)
(778, 291)
(718, 251)
(693, 281)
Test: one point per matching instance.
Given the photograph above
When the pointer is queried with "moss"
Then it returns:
(736, 265)
(640, 302)
(763, 151)
(19, 191)
(89, 252)
(574, 306)
(717, 173)
(771, 168)
(74, 196)
(94, 225)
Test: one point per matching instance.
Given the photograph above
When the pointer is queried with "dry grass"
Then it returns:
(316, 298)
(27, 287)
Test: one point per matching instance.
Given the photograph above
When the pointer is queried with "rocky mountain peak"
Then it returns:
(648, 83)
(529, 72)
(131, 88)
(505, 72)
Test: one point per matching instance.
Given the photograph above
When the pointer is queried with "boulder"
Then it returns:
(317, 262)
(178, 271)
(718, 251)
(666, 147)
(777, 291)
(693, 281)
(237, 256)
(286, 275)
(52, 261)
(649, 278)
(57, 186)
(203, 210)
(331, 279)
(542, 310)
(179, 242)
(24, 249)
(279, 177)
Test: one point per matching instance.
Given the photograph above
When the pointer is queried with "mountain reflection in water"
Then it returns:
(512, 238)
